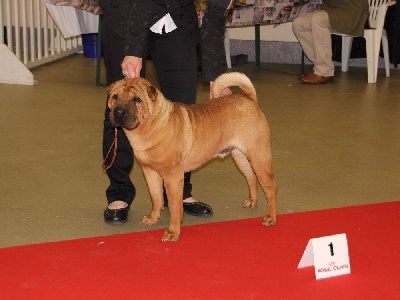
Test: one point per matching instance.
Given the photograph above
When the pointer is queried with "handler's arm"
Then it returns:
(139, 21)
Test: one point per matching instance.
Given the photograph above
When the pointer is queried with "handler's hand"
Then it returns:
(131, 66)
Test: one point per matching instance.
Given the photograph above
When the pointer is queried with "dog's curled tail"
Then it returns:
(234, 79)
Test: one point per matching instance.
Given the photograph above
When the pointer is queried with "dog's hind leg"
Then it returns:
(261, 162)
(251, 179)
(155, 186)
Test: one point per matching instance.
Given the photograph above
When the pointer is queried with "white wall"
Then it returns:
(281, 33)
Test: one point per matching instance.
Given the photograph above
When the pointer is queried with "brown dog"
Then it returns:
(169, 139)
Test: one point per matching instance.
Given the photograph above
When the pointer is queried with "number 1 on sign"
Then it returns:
(331, 248)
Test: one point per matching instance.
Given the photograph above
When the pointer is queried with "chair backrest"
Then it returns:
(374, 6)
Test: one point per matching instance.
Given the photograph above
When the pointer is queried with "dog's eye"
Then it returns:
(115, 96)
(137, 100)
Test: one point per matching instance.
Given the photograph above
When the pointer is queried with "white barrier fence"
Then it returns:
(29, 32)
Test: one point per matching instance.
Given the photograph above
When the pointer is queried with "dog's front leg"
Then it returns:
(154, 184)
(173, 184)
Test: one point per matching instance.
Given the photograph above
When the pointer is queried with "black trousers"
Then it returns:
(175, 58)
(212, 43)
(121, 186)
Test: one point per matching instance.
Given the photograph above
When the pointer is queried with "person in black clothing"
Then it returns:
(212, 41)
(169, 29)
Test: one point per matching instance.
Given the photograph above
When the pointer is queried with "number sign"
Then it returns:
(328, 254)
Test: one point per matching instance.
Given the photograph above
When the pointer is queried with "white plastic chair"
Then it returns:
(227, 46)
(373, 37)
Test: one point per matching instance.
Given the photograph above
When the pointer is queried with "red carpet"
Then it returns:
(228, 260)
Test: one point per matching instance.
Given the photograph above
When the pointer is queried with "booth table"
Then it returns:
(268, 12)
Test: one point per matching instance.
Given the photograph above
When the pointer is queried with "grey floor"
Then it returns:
(333, 145)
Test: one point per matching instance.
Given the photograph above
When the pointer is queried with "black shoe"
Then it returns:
(197, 209)
(116, 216)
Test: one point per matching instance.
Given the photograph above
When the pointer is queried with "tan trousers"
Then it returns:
(314, 34)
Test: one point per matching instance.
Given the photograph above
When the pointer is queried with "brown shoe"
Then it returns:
(316, 79)
(304, 75)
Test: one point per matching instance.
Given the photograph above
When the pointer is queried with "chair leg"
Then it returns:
(227, 45)
(347, 42)
(385, 47)
(372, 54)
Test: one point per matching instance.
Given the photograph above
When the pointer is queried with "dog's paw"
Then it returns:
(170, 236)
(250, 203)
(269, 221)
(149, 220)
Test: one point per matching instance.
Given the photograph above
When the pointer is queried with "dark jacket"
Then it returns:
(347, 16)
(142, 14)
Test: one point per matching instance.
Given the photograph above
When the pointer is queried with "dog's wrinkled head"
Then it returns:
(131, 101)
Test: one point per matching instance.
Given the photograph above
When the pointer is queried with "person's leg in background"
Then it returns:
(309, 28)
(321, 31)
(175, 58)
(301, 27)
(212, 41)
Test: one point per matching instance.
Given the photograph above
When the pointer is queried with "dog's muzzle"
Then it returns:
(120, 113)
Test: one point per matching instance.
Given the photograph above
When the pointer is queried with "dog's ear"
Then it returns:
(152, 92)
(110, 101)
(111, 97)
(111, 86)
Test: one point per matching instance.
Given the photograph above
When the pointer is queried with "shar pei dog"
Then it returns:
(170, 138)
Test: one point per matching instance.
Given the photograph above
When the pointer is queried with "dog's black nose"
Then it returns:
(120, 112)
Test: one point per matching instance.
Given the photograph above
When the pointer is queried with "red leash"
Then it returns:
(115, 145)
